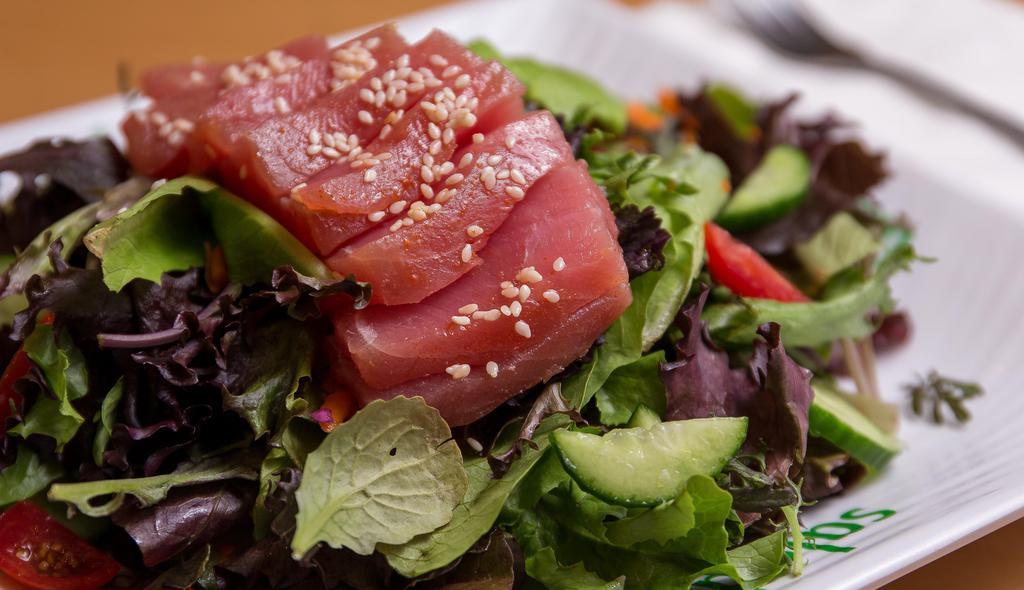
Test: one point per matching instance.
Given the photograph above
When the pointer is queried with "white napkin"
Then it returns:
(955, 149)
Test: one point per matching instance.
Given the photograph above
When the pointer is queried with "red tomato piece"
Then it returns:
(740, 268)
(39, 552)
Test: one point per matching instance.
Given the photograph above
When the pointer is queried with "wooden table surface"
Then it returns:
(60, 52)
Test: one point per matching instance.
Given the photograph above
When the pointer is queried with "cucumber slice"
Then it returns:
(774, 188)
(648, 466)
(839, 422)
(643, 417)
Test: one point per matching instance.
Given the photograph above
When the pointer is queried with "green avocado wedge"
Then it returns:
(777, 186)
(648, 466)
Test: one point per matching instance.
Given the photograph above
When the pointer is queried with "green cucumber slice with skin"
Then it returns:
(773, 189)
(648, 466)
(643, 417)
(839, 422)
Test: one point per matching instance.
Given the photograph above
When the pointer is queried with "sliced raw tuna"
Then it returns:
(376, 185)
(162, 138)
(515, 299)
(469, 203)
(468, 398)
(163, 82)
(278, 82)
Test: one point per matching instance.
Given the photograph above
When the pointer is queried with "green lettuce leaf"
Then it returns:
(841, 243)
(105, 419)
(64, 369)
(475, 514)
(739, 111)
(149, 490)
(389, 473)
(275, 460)
(26, 477)
(543, 566)
(283, 351)
(167, 229)
(630, 386)
(581, 100)
(686, 190)
(849, 298)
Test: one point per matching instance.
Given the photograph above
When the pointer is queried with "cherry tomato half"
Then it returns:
(740, 268)
(39, 552)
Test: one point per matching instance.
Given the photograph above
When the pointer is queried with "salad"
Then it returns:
(421, 315)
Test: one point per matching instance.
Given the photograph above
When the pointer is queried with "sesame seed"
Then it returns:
(517, 176)
(516, 307)
(438, 61)
(450, 71)
(434, 131)
(375, 216)
(298, 187)
(506, 284)
(454, 179)
(427, 160)
(447, 168)
(314, 136)
(467, 252)
(529, 275)
(435, 147)
(397, 207)
(474, 231)
(468, 308)
(487, 176)
(366, 95)
(559, 264)
(474, 444)
(458, 371)
(397, 225)
(331, 153)
(314, 149)
(478, 137)
(523, 329)
(365, 117)
(426, 191)
(467, 160)
(443, 196)
(462, 81)
(551, 295)
(370, 175)
(510, 292)
(524, 292)
(417, 214)
(510, 142)
(197, 77)
(505, 310)
(460, 320)
(329, 140)
(426, 174)
(448, 136)
(407, 222)
(434, 208)
(515, 192)
(492, 370)
(385, 131)
(502, 174)
(494, 160)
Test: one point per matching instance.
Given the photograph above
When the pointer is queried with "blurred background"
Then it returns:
(59, 53)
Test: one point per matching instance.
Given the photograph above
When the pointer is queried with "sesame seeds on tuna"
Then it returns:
(458, 371)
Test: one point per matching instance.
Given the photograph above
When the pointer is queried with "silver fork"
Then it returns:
(785, 26)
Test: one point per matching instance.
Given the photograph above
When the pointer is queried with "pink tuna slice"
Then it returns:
(565, 215)
(462, 401)
(281, 152)
(489, 179)
(414, 349)
(158, 150)
(347, 194)
(278, 82)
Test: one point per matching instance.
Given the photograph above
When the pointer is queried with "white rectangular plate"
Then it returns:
(950, 485)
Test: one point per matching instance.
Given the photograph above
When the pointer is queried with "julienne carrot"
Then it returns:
(643, 118)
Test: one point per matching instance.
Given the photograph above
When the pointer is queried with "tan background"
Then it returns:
(57, 52)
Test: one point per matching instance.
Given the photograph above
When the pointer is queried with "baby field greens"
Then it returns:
(390, 473)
